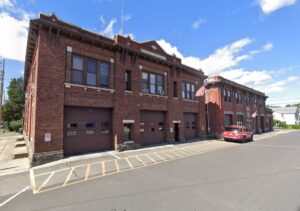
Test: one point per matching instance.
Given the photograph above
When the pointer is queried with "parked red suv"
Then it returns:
(237, 133)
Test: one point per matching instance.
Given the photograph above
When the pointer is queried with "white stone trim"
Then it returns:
(153, 54)
(128, 121)
(69, 49)
(68, 85)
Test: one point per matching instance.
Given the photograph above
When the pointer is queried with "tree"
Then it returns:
(13, 107)
(293, 105)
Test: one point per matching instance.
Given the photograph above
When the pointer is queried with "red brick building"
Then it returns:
(230, 103)
(86, 92)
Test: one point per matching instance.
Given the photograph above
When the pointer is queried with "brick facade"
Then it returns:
(49, 88)
(218, 107)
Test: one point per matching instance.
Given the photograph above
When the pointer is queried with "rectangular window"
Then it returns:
(128, 80)
(90, 125)
(145, 78)
(193, 91)
(227, 120)
(183, 90)
(88, 71)
(227, 95)
(240, 120)
(104, 74)
(161, 126)
(72, 125)
(193, 125)
(175, 88)
(160, 85)
(105, 128)
(152, 83)
(77, 69)
(91, 72)
(188, 90)
(187, 125)
(142, 127)
(238, 98)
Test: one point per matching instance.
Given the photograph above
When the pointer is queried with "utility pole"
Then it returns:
(2, 70)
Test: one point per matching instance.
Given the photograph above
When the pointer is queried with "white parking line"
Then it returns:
(114, 155)
(14, 196)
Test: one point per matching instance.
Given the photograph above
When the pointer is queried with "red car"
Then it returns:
(237, 133)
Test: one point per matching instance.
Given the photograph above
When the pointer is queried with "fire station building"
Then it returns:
(86, 92)
(230, 103)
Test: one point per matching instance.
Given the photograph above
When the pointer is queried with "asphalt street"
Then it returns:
(262, 175)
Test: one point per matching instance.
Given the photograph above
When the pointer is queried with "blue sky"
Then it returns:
(253, 42)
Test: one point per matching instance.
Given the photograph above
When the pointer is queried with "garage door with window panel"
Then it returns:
(87, 130)
(152, 127)
(190, 125)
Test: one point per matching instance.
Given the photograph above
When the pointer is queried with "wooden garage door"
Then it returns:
(190, 125)
(152, 127)
(87, 130)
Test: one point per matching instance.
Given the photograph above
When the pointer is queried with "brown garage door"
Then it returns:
(152, 127)
(190, 123)
(87, 130)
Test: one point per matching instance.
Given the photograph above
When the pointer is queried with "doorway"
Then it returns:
(176, 132)
(127, 132)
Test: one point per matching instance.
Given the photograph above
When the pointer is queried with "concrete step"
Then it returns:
(20, 144)
(20, 152)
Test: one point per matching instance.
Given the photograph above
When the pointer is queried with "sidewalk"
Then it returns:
(13, 154)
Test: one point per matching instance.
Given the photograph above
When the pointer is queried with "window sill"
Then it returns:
(190, 100)
(152, 95)
(69, 85)
(128, 92)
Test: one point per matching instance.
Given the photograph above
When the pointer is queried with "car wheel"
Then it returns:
(244, 139)
(251, 139)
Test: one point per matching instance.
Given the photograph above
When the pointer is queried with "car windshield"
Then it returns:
(232, 129)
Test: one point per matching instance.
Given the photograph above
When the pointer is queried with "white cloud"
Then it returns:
(13, 36)
(169, 48)
(225, 57)
(126, 17)
(109, 29)
(268, 47)
(6, 3)
(198, 23)
(278, 86)
(102, 19)
(269, 6)
(248, 78)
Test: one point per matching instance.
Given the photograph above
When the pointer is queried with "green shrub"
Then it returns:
(282, 125)
(15, 125)
(295, 127)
